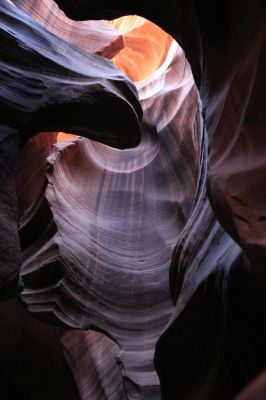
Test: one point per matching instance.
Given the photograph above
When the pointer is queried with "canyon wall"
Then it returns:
(160, 245)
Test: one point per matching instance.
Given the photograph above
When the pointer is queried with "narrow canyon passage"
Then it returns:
(114, 214)
(111, 219)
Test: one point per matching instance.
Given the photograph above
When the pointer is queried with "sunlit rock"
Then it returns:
(93, 36)
(101, 262)
(100, 228)
(225, 45)
(50, 85)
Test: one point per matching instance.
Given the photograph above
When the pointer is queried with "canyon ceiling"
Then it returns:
(133, 200)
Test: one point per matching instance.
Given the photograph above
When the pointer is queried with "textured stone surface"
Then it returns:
(96, 37)
(43, 89)
(145, 47)
(112, 218)
(92, 357)
(213, 344)
(225, 44)
(227, 61)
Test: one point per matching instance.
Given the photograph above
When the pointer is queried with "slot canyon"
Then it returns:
(133, 200)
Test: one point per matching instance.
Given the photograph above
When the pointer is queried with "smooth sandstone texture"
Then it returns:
(47, 85)
(225, 45)
(214, 342)
(145, 47)
(96, 37)
(101, 261)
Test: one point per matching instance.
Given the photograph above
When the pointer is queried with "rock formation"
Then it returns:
(56, 90)
(96, 37)
(225, 44)
(96, 264)
(103, 230)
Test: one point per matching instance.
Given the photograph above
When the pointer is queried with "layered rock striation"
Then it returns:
(225, 45)
(101, 260)
(96, 37)
(100, 228)
(48, 84)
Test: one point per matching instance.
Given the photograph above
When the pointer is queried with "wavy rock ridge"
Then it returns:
(53, 92)
(97, 264)
(98, 226)
(225, 45)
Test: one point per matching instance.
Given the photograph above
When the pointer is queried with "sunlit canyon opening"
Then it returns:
(132, 239)
(98, 225)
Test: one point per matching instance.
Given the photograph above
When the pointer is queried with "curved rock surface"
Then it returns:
(227, 61)
(112, 218)
(214, 342)
(145, 47)
(225, 44)
(98, 225)
(43, 89)
(96, 37)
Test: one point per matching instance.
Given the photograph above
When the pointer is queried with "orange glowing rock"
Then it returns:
(146, 46)
(65, 136)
